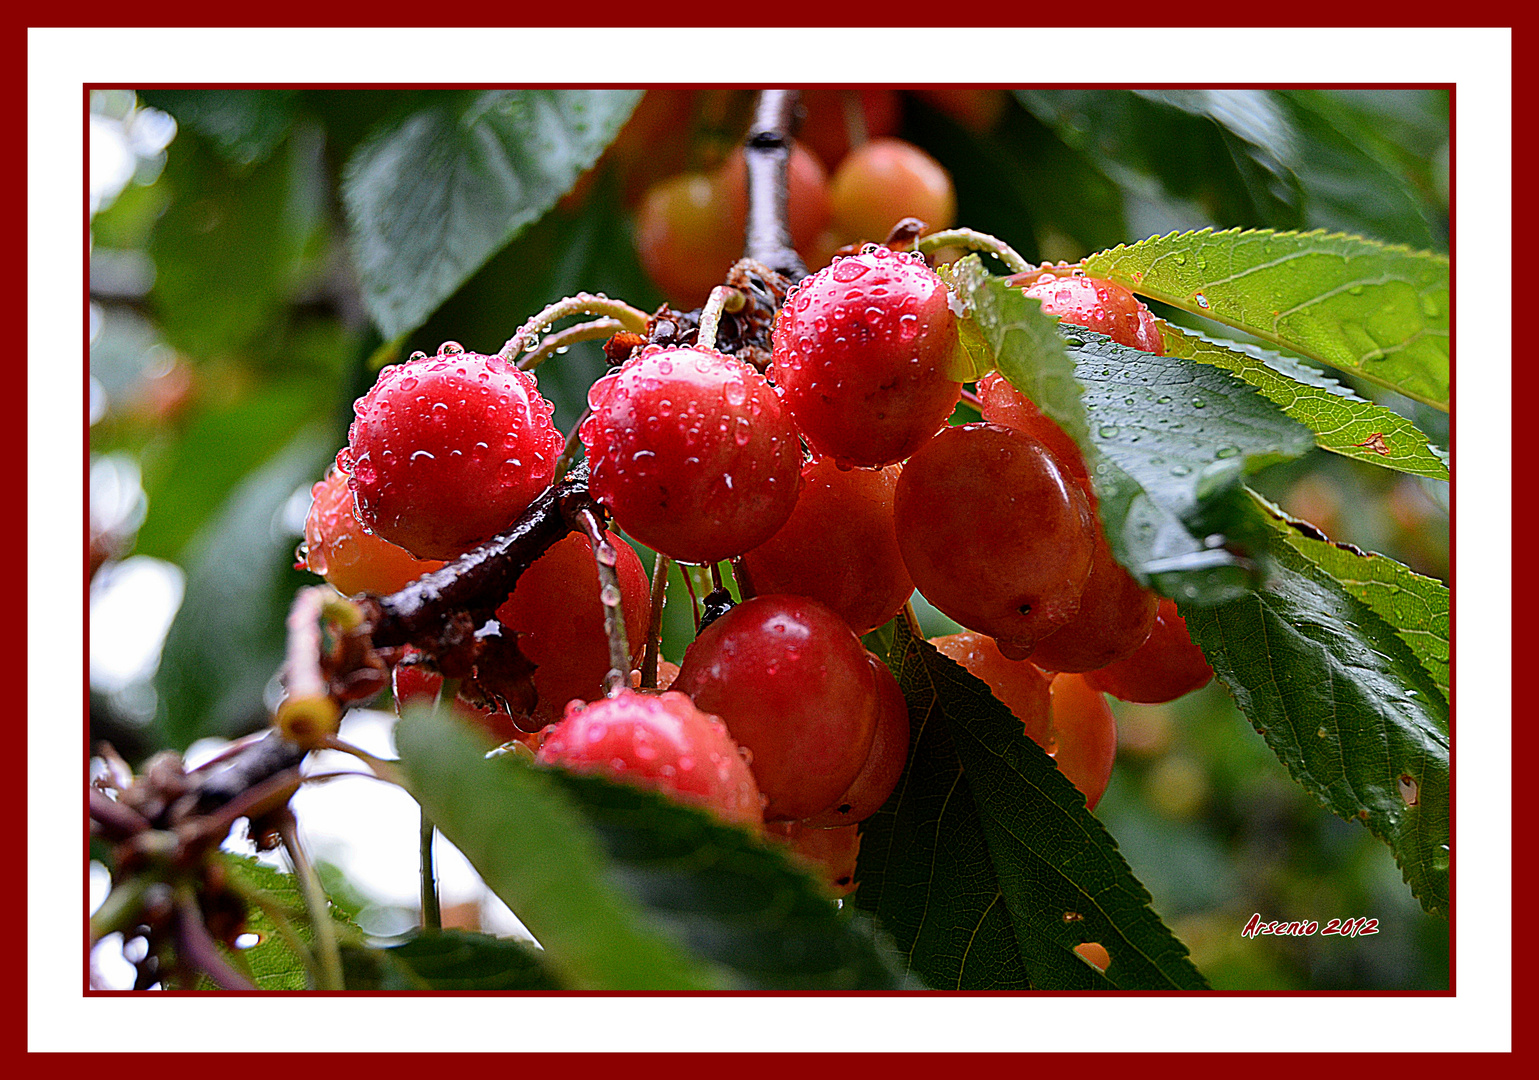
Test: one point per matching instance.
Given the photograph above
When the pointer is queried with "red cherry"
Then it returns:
(692, 453)
(839, 546)
(413, 679)
(558, 616)
(793, 685)
(1102, 306)
(827, 127)
(1114, 618)
(1084, 735)
(863, 354)
(994, 534)
(1006, 406)
(445, 451)
(829, 854)
(879, 776)
(657, 741)
(342, 551)
(1166, 666)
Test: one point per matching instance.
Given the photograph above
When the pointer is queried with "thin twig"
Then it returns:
(744, 579)
(432, 914)
(605, 557)
(319, 908)
(121, 909)
(722, 298)
(655, 622)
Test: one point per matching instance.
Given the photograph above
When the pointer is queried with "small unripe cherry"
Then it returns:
(1096, 304)
(994, 534)
(558, 615)
(879, 776)
(342, 551)
(692, 452)
(792, 684)
(686, 237)
(839, 546)
(657, 741)
(826, 131)
(885, 181)
(446, 451)
(1166, 666)
(864, 355)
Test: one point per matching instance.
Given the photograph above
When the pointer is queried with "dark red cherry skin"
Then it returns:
(658, 741)
(863, 355)
(1114, 618)
(1006, 406)
(692, 452)
(341, 550)
(1084, 735)
(994, 534)
(829, 854)
(1102, 306)
(883, 769)
(1166, 666)
(413, 679)
(792, 683)
(839, 546)
(445, 451)
(558, 616)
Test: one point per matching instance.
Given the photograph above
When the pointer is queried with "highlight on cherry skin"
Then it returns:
(1096, 304)
(341, 550)
(662, 742)
(692, 452)
(445, 451)
(791, 682)
(866, 355)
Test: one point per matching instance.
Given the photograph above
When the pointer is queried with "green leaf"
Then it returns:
(1343, 701)
(1343, 423)
(272, 962)
(985, 865)
(1168, 442)
(1364, 307)
(433, 194)
(244, 125)
(227, 639)
(453, 960)
(1414, 606)
(627, 890)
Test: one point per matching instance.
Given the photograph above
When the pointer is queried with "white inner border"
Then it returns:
(60, 1017)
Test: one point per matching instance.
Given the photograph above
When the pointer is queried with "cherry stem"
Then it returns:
(855, 119)
(308, 706)
(655, 622)
(582, 304)
(561, 339)
(121, 909)
(767, 153)
(722, 298)
(329, 973)
(745, 589)
(911, 621)
(972, 399)
(605, 558)
(689, 587)
(716, 581)
(974, 240)
(432, 914)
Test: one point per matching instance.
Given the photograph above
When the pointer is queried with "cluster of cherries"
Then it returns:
(837, 485)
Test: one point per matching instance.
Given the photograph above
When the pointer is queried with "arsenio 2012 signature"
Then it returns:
(1359, 927)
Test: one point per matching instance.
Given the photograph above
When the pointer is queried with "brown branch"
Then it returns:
(767, 152)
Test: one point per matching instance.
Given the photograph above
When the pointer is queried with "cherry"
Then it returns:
(838, 546)
(977, 108)
(1006, 406)
(414, 679)
(690, 228)
(884, 181)
(692, 453)
(657, 741)
(829, 854)
(1166, 666)
(1114, 618)
(556, 612)
(1018, 684)
(863, 354)
(444, 451)
(879, 776)
(1084, 735)
(994, 534)
(342, 551)
(826, 131)
(793, 685)
(1102, 306)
